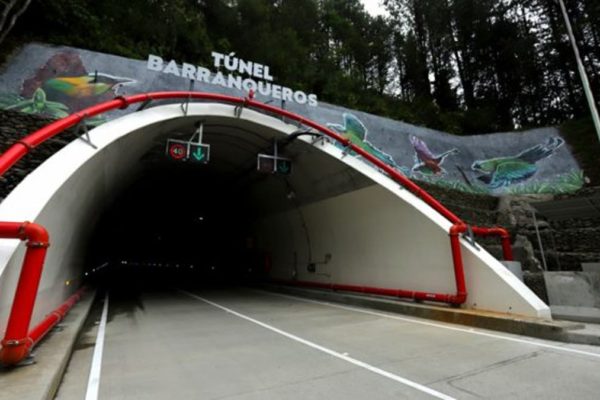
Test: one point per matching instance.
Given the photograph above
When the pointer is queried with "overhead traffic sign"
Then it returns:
(177, 149)
(199, 153)
(269, 164)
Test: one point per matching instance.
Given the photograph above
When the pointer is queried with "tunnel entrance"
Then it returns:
(176, 223)
(179, 222)
(335, 222)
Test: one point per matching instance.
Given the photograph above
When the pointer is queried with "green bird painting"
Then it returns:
(354, 130)
(505, 171)
(70, 88)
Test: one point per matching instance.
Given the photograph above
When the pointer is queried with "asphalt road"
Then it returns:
(247, 344)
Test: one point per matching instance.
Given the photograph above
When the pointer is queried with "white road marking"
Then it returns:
(325, 350)
(94, 379)
(472, 331)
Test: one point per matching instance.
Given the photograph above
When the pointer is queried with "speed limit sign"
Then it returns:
(177, 149)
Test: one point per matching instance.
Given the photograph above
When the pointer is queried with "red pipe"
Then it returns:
(504, 236)
(52, 319)
(416, 295)
(22, 147)
(15, 345)
(459, 272)
(18, 150)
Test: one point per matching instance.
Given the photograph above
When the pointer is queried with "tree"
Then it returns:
(11, 11)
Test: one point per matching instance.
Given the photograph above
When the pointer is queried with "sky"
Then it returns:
(374, 7)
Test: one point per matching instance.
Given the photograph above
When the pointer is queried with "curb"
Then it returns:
(562, 331)
(40, 381)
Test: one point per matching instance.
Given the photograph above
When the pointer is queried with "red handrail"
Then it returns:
(16, 343)
(25, 145)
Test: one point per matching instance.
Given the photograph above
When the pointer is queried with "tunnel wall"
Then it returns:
(370, 232)
(382, 236)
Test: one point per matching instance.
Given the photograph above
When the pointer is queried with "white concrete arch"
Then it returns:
(377, 234)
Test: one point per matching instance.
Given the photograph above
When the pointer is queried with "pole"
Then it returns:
(539, 238)
(584, 78)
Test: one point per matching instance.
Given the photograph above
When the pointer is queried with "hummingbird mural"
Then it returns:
(62, 85)
(92, 84)
(505, 171)
(426, 162)
(354, 130)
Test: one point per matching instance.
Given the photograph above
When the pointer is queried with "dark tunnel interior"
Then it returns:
(191, 223)
(175, 225)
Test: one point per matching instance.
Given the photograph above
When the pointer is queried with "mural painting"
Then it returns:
(501, 174)
(354, 130)
(505, 171)
(427, 163)
(61, 86)
(57, 81)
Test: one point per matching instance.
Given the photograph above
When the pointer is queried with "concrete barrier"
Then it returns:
(591, 267)
(574, 295)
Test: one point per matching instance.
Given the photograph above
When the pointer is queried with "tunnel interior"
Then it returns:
(184, 223)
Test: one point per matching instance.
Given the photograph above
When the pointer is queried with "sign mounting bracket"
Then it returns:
(85, 136)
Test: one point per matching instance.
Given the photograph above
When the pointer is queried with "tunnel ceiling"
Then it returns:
(184, 209)
(235, 144)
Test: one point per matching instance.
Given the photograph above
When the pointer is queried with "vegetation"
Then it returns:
(463, 66)
(583, 140)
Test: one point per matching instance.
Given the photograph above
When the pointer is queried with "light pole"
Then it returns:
(584, 78)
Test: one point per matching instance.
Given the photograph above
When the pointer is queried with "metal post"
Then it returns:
(539, 238)
(275, 154)
(584, 78)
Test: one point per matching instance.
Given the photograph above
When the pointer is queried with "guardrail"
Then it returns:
(22, 147)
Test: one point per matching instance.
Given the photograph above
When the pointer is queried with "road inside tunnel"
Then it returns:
(241, 343)
(175, 223)
(175, 317)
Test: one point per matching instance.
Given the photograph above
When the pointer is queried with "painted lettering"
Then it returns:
(203, 75)
(155, 63)
(172, 68)
(188, 71)
(217, 57)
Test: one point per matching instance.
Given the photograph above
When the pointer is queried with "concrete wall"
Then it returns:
(479, 164)
(383, 236)
(379, 235)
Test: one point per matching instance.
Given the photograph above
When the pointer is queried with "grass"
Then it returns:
(565, 183)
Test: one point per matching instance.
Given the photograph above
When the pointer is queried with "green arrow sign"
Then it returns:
(270, 164)
(199, 153)
(284, 166)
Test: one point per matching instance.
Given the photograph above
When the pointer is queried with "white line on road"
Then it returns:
(94, 379)
(333, 353)
(472, 331)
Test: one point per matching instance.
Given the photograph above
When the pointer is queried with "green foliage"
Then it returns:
(463, 66)
(585, 145)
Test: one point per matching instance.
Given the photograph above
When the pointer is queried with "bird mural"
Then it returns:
(90, 85)
(505, 171)
(427, 163)
(354, 130)
(62, 85)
